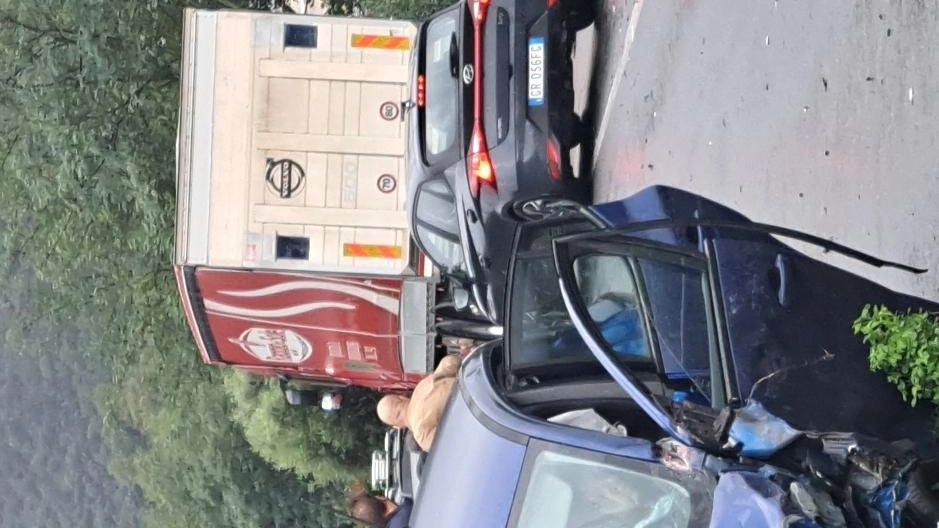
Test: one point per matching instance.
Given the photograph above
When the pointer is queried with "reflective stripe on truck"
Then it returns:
(380, 41)
(371, 250)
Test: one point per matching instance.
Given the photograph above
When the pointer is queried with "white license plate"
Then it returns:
(536, 71)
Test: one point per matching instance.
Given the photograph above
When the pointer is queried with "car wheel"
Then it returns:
(580, 14)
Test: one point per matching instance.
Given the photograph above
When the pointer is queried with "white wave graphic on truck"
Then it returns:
(385, 302)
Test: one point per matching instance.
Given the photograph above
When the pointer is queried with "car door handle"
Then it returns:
(783, 271)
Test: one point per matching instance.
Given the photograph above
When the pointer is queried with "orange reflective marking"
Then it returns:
(360, 40)
(371, 251)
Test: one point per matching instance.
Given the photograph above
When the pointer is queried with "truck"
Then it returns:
(293, 257)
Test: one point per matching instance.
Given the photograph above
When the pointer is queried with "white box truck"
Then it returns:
(293, 256)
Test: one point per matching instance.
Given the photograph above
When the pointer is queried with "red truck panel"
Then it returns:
(327, 328)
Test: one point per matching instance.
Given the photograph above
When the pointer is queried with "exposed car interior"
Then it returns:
(632, 302)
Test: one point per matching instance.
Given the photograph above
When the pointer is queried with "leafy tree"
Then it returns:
(416, 10)
(325, 447)
(905, 347)
(52, 467)
(88, 99)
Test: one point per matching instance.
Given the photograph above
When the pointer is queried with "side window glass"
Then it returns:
(292, 247)
(299, 36)
(541, 331)
(676, 298)
(437, 207)
(445, 252)
(624, 295)
(608, 288)
(436, 228)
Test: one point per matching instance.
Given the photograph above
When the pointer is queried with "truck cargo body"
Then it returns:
(292, 250)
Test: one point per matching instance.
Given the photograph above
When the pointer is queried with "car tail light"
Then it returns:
(554, 158)
(421, 90)
(552, 3)
(478, 165)
(478, 9)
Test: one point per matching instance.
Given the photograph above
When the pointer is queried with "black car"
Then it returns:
(715, 376)
(491, 130)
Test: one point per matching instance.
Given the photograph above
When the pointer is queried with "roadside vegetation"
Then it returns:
(109, 417)
(905, 347)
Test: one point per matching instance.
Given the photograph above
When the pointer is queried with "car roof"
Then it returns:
(473, 468)
(470, 475)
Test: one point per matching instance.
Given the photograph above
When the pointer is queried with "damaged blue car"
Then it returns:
(669, 363)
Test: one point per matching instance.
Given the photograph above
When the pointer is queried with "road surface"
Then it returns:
(821, 116)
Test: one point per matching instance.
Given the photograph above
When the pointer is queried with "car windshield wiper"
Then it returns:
(454, 56)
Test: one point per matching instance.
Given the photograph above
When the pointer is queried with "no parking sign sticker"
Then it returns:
(387, 183)
(389, 110)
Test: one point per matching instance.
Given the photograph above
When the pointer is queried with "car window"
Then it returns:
(441, 111)
(436, 229)
(540, 331)
(574, 489)
(676, 299)
(621, 291)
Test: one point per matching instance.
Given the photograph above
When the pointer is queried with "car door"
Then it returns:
(742, 317)
(788, 325)
(645, 306)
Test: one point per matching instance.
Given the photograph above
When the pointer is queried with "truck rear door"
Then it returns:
(329, 141)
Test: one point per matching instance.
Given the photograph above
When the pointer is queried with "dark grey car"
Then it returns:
(491, 130)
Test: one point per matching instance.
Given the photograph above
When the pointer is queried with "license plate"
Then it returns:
(536, 71)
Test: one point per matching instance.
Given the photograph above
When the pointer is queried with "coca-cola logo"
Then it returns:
(275, 345)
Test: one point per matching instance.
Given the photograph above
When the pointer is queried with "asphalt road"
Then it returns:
(821, 116)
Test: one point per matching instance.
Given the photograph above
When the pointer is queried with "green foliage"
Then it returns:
(904, 346)
(88, 102)
(416, 10)
(196, 468)
(52, 462)
(325, 447)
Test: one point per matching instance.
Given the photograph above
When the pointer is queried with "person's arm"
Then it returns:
(424, 413)
(448, 366)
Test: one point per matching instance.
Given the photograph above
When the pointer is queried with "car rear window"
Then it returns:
(441, 107)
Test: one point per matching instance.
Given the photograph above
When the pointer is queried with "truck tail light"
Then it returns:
(421, 90)
(478, 165)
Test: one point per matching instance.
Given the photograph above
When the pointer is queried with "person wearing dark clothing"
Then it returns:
(401, 516)
(379, 512)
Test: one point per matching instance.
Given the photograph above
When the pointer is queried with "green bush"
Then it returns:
(904, 346)
(325, 448)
